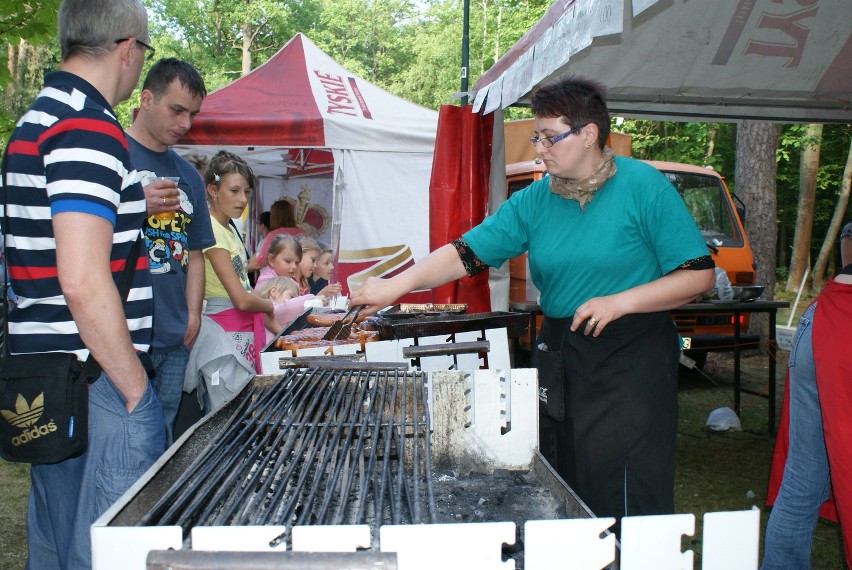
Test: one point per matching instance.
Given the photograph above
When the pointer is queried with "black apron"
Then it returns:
(610, 418)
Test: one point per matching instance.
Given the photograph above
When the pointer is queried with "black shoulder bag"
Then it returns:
(44, 397)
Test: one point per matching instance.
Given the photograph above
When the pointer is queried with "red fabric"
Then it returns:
(458, 194)
(234, 320)
(834, 383)
(283, 108)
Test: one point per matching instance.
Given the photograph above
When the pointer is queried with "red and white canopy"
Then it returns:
(300, 100)
(345, 151)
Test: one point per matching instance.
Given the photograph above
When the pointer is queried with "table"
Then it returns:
(735, 307)
(738, 308)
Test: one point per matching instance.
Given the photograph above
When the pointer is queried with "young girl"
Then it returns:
(230, 299)
(282, 259)
(311, 251)
(284, 294)
(321, 276)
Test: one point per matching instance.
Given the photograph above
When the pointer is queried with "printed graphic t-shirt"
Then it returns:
(170, 241)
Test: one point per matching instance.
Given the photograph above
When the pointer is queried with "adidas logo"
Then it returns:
(26, 415)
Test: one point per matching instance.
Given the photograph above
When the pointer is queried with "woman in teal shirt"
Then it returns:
(612, 248)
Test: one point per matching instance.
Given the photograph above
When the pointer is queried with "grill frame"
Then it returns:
(468, 410)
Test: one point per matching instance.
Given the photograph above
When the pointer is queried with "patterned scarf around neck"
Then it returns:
(584, 190)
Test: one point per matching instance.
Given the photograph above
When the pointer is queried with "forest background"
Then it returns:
(793, 178)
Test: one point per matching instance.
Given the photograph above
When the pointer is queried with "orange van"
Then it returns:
(718, 218)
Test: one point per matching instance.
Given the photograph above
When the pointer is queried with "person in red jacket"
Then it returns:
(818, 463)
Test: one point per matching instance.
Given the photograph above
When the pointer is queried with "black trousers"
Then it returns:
(611, 432)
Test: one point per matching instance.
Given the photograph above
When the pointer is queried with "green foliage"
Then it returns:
(371, 38)
(833, 150)
(30, 20)
(702, 144)
(30, 23)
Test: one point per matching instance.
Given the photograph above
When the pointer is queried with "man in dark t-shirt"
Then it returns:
(171, 96)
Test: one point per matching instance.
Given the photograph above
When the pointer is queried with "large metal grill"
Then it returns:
(341, 456)
(319, 446)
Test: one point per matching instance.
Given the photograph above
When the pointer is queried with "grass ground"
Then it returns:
(715, 471)
(14, 488)
(729, 471)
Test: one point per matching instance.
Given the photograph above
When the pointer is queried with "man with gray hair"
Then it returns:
(74, 214)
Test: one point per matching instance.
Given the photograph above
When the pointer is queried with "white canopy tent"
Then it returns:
(354, 159)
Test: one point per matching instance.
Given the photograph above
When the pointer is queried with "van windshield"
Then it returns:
(706, 200)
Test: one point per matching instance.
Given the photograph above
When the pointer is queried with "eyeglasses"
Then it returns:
(151, 51)
(548, 142)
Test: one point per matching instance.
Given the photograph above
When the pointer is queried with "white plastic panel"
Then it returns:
(237, 538)
(431, 546)
(731, 540)
(569, 544)
(330, 538)
(127, 547)
(653, 542)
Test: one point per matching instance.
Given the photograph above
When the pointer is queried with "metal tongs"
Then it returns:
(342, 329)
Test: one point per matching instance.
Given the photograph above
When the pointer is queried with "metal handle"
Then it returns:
(204, 560)
(448, 349)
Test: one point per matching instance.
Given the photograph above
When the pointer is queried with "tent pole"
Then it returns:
(465, 54)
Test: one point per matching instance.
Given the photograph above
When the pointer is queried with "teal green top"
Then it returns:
(635, 229)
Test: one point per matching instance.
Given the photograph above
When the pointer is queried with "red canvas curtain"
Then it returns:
(458, 194)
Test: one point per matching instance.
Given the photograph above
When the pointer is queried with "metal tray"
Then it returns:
(407, 310)
(516, 324)
(296, 324)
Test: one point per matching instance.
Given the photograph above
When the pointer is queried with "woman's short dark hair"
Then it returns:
(577, 101)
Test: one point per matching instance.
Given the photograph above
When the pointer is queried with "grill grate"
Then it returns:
(318, 446)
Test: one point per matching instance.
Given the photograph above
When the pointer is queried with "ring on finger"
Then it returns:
(164, 200)
(592, 321)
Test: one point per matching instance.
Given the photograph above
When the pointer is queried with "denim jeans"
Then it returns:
(806, 484)
(169, 368)
(67, 497)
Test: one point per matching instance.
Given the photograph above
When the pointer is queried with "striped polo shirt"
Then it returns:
(68, 153)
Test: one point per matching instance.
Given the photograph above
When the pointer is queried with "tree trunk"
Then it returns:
(808, 167)
(21, 67)
(711, 143)
(484, 51)
(826, 252)
(246, 48)
(10, 65)
(497, 31)
(755, 183)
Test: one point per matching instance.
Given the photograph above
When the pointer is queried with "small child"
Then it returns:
(282, 259)
(311, 252)
(284, 294)
(321, 276)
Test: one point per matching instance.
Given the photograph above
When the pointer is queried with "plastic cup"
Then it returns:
(167, 215)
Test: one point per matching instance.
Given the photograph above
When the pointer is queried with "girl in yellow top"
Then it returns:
(227, 291)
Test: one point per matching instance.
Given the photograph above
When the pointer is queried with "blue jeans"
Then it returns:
(806, 484)
(169, 368)
(67, 497)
